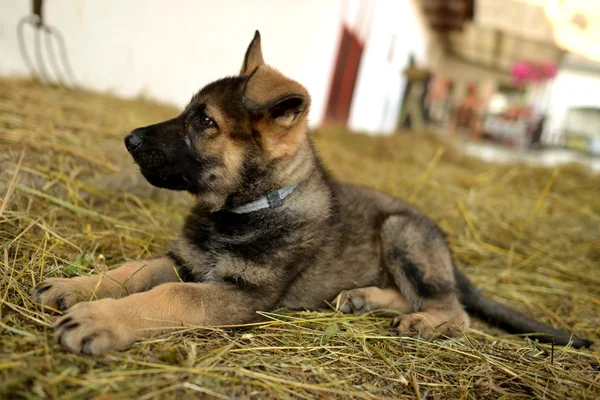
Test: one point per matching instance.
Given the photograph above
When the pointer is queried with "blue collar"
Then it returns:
(273, 199)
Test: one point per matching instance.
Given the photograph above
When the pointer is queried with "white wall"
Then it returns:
(380, 84)
(169, 49)
(570, 89)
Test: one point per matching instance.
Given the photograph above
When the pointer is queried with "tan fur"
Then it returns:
(98, 326)
(281, 145)
(444, 316)
(131, 277)
(372, 298)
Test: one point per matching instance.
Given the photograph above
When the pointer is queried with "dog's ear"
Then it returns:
(279, 107)
(253, 58)
(275, 98)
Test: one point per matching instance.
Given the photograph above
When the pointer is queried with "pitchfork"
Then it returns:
(45, 37)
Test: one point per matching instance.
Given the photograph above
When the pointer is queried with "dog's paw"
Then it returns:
(413, 325)
(428, 326)
(59, 293)
(94, 327)
(353, 301)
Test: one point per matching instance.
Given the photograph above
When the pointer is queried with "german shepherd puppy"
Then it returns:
(270, 229)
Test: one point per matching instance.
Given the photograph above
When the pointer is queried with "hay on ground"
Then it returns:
(526, 236)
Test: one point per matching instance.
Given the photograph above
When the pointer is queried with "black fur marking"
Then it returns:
(70, 326)
(62, 306)
(176, 259)
(86, 345)
(241, 284)
(42, 288)
(253, 237)
(64, 322)
(185, 274)
(167, 161)
(415, 276)
(234, 280)
(228, 90)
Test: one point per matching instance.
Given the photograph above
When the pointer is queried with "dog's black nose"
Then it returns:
(133, 141)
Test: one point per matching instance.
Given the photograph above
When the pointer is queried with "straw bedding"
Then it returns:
(71, 203)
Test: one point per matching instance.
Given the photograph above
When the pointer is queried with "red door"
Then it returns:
(344, 77)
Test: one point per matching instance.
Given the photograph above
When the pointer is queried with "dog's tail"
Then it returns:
(509, 319)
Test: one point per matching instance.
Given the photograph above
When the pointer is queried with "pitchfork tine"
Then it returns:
(39, 55)
(50, 52)
(64, 75)
(66, 66)
(31, 20)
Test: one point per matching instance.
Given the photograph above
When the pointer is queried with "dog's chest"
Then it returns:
(224, 241)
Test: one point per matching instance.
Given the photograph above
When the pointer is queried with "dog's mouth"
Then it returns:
(150, 159)
(162, 172)
(171, 181)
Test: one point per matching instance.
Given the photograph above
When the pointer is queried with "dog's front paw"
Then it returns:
(353, 301)
(59, 293)
(94, 327)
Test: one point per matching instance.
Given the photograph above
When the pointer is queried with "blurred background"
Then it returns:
(510, 79)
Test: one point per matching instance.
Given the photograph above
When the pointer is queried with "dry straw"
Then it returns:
(526, 236)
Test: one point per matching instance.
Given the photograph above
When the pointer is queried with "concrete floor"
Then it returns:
(547, 157)
(492, 152)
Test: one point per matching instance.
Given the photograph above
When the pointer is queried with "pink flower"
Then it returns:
(549, 69)
(520, 71)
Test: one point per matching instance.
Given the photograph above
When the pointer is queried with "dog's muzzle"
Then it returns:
(144, 156)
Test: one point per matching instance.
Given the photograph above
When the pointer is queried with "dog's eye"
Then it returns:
(206, 121)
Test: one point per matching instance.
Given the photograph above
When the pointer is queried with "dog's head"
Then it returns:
(233, 134)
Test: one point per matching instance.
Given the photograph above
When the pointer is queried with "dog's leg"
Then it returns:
(418, 258)
(131, 277)
(110, 324)
(362, 300)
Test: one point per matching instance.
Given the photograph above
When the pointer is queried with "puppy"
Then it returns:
(269, 229)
